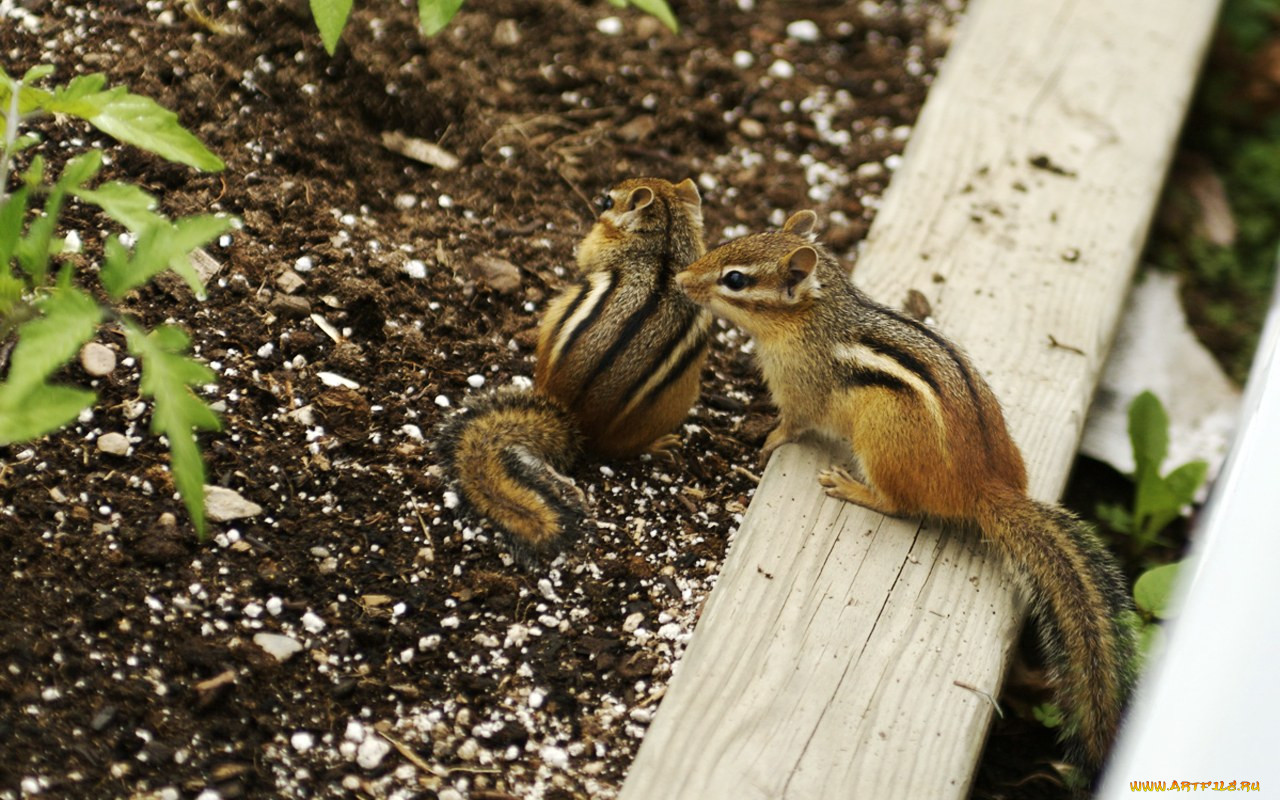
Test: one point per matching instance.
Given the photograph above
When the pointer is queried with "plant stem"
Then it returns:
(10, 136)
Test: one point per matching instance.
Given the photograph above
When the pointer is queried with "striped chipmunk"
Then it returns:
(619, 363)
(930, 439)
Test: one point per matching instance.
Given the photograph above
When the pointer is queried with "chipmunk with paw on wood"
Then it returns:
(931, 440)
(619, 362)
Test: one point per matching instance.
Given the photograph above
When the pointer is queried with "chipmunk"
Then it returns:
(619, 358)
(931, 440)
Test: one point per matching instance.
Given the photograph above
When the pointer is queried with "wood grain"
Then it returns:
(843, 654)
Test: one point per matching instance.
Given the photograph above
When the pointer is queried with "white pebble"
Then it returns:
(451, 499)
(449, 622)
(743, 59)
(415, 269)
(354, 732)
(805, 30)
(442, 401)
(266, 350)
(404, 202)
(609, 26)
(445, 201)
(274, 606)
(113, 443)
(782, 69)
(302, 741)
(372, 751)
(412, 431)
(312, 622)
(334, 379)
(475, 381)
(281, 646)
(97, 359)
(304, 264)
(556, 757)
(535, 698)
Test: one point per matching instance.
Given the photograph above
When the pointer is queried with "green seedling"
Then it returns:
(434, 15)
(1158, 499)
(48, 310)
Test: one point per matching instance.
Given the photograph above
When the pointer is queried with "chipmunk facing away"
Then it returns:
(619, 358)
(931, 440)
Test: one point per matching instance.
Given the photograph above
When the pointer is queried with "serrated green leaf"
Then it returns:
(331, 18)
(36, 74)
(659, 9)
(68, 319)
(158, 247)
(123, 202)
(1148, 433)
(11, 214)
(1153, 591)
(33, 176)
(167, 375)
(436, 14)
(79, 170)
(131, 118)
(43, 409)
(1185, 480)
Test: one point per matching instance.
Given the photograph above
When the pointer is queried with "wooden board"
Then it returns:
(843, 654)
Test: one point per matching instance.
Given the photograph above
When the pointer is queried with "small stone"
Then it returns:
(371, 752)
(782, 69)
(742, 59)
(289, 306)
(222, 504)
(312, 622)
(354, 732)
(113, 443)
(498, 274)
(804, 30)
(278, 645)
(290, 281)
(750, 128)
(609, 26)
(302, 741)
(506, 33)
(97, 359)
(415, 269)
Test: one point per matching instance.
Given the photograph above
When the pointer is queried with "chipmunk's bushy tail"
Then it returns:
(506, 453)
(1086, 621)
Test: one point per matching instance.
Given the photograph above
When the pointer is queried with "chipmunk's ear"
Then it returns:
(801, 223)
(687, 191)
(640, 198)
(800, 264)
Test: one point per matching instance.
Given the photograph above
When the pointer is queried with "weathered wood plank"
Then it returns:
(843, 654)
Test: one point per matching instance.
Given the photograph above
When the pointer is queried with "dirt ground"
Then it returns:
(427, 664)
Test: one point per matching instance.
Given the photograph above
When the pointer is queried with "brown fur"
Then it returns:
(931, 440)
(617, 370)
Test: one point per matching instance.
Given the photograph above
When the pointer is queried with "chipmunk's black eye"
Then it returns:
(604, 202)
(735, 281)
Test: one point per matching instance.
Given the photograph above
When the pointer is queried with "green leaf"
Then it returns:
(659, 9)
(167, 375)
(43, 409)
(123, 202)
(159, 246)
(1148, 433)
(36, 74)
(1185, 480)
(80, 170)
(1153, 590)
(11, 213)
(68, 318)
(131, 118)
(1048, 715)
(436, 14)
(1116, 516)
(331, 18)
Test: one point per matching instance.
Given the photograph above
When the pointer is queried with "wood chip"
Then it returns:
(420, 150)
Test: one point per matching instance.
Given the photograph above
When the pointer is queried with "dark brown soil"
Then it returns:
(430, 665)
